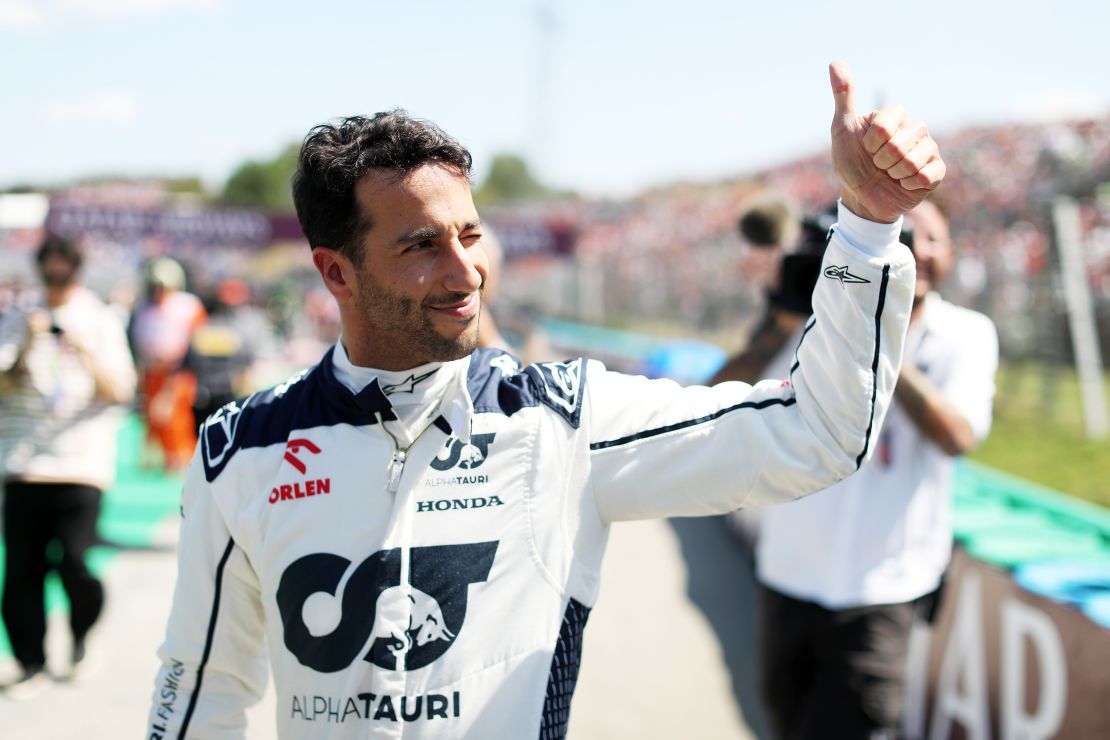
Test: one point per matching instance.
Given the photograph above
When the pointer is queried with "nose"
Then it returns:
(465, 268)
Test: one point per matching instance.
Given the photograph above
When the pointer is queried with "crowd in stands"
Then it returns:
(1001, 180)
(681, 240)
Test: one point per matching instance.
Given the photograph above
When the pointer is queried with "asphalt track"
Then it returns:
(668, 648)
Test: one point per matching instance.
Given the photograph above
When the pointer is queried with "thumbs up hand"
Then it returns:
(886, 162)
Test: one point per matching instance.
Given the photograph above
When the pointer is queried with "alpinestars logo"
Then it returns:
(331, 615)
(408, 385)
(842, 274)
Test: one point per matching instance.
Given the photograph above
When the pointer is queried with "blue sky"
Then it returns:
(611, 98)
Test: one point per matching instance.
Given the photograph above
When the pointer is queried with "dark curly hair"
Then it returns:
(54, 245)
(334, 157)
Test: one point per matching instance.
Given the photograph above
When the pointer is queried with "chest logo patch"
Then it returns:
(465, 455)
(333, 611)
(301, 488)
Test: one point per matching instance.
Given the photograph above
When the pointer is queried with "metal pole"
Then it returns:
(1081, 316)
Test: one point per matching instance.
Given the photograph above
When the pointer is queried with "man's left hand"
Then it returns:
(886, 161)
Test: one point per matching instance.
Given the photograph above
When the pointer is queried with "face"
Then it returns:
(416, 296)
(932, 249)
(57, 272)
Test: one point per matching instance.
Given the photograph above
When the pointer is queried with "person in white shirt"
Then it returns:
(65, 371)
(412, 530)
(845, 571)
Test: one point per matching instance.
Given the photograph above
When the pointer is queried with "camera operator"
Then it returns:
(771, 225)
(846, 572)
(64, 371)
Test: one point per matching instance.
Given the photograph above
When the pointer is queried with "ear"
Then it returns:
(336, 271)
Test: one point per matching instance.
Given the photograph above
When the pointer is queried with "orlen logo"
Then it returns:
(462, 454)
(395, 626)
(300, 489)
(293, 446)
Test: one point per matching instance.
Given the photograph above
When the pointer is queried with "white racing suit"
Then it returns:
(440, 591)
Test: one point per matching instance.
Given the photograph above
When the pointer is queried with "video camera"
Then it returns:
(800, 269)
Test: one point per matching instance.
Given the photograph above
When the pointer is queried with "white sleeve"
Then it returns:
(969, 381)
(113, 355)
(213, 661)
(658, 449)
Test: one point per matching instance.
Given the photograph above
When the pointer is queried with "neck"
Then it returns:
(57, 296)
(362, 358)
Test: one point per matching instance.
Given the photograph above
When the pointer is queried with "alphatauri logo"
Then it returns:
(466, 455)
(333, 611)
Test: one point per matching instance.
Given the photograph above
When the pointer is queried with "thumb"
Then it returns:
(843, 90)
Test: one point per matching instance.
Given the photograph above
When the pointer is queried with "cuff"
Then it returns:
(871, 238)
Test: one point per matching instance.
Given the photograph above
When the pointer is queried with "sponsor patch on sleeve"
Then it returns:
(560, 386)
(219, 437)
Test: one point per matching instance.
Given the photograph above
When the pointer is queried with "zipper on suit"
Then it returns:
(393, 484)
(400, 454)
(396, 467)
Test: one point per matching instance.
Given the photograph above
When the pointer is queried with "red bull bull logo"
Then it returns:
(368, 612)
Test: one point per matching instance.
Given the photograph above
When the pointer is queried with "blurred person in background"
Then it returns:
(489, 336)
(787, 246)
(161, 328)
(221, 351)
(846, 572)
(65, 370)
(412, 530)
(531, 345)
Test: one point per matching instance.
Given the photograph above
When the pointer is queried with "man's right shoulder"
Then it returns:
(259, 420)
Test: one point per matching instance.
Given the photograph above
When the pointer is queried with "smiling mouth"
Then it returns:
(465, 307)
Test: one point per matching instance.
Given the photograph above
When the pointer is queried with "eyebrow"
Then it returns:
(429, 232)
(417, 235)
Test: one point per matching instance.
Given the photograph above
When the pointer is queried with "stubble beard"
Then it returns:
(409, 328)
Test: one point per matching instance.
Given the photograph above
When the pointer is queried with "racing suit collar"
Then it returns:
(373, 392)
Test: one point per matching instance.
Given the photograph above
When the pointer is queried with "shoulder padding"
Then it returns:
(497, 384)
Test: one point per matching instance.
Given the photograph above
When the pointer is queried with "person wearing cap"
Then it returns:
(65, 371)
(221, 351)
(161, 329)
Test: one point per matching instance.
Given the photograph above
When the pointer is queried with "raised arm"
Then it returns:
(661, 450)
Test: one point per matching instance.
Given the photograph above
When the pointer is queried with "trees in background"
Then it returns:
(509, 179)
(263, 184)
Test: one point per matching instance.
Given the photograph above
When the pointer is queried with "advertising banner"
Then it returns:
(1001, 662)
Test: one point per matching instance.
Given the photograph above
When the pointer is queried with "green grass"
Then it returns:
(1038, 433)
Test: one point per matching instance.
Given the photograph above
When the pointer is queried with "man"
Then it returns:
(64, 370)
(414, 529)
(221, 350)
(846, 571)
(161, 329)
